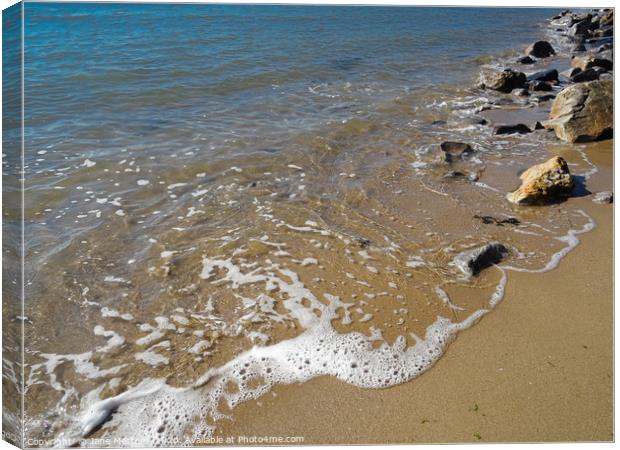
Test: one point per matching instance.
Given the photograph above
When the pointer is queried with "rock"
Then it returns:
(540, 49)
(603, 32)
(504, 81)
(578, 48)
(490, 220)
(591, 60)
(544, 75)
(471, 262)
(545, 98)
(586, 75)
(521, 92)
(543, 183)
(604, 47)
(583, 111)
(604, 197)
(526, 60)
(540, 86)
(458, 175)
(582, 27)
(512, 129)
(455, 150)
(570, 72)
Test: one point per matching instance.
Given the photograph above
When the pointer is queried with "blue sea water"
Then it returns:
(116, 71)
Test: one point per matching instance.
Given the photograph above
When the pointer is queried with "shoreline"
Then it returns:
(537, 368)
(529, 371)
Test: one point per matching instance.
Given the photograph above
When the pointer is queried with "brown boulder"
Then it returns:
(543, 183)
(540, 49)
(503, 81)
(583, 111)
(586, 61)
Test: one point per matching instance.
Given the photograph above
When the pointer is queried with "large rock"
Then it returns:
(583, 112)
(592, 60)
(471, 262)
(540, 49)
(503, 81)
(543, 183)
(544, 75)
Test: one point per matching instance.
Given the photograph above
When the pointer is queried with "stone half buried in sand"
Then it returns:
(503, 81)
(471, 262)
(543, 183)
(452, 151)
(583, 112)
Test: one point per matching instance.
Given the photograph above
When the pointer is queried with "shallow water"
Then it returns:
(223, 198)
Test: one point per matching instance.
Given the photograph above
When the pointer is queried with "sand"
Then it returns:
(538, 368)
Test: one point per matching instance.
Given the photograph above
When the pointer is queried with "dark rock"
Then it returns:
(540, 49)
(544, 75)
(526, 60)
(455, 150)
(490, 220)
(540, 86)
(585, 75)
(504, 81)
(604, 47)
(471, 262)
(578, 48)
(538, 126)
(582, 27)
(545, 98)
(512, 129)
(604, 197)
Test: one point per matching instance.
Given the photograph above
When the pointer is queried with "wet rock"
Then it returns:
(570, 72)
(543, 183)
(471, 262)
(526, 60)
(583, 112)
(545, 98)
(582, 27)
(604, 197)
(512, 129)
(540, 86)
(603, 32)
(544, 75)
(590, 74)
(540, 49)
(490, 220)
(604, 47)
(521, 92)
(452, 151)
(578, 48)
(592, 60)
(503, 81)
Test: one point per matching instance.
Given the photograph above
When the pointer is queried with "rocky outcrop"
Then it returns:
(503, 81)
(471, 262)
(452, 151)
(543, 183)
(583, 112)
(540, 49)
(526, 60)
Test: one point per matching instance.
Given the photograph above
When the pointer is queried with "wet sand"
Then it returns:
(538, 368)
